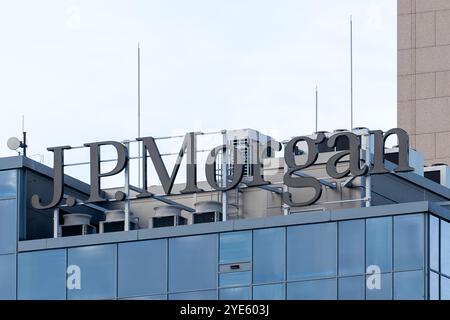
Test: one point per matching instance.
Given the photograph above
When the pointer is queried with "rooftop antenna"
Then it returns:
(317, 108)
(351, 72)
(139, 112)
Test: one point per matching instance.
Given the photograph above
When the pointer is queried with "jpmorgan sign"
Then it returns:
(356, 166)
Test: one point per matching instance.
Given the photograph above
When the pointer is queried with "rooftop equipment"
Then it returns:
(439, 173)
(167, 216)
(114, 221)
(207, 211)
(76, 224)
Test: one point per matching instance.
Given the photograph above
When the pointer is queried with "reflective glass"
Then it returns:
(311, 251)
(312, 290)
(235, 247)
(434, 286)
(434, 243)
(8, 226)
(445, 288)
(8, 183)
(269, 292)
(269, 258)
(408, 242)
(8, 277)
(98, 266)
(381, 292)
(42, 275)
(242, 293)
(445, 247)
(195, 295)
(153, 297)
(235, 278)
(193, 263)
(142, 268)
(351, 247)
(351, 288)
(379, 243)
(408, 285)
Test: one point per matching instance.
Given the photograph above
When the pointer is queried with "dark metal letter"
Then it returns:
(301, 182)
(96, 176)
(58, 180)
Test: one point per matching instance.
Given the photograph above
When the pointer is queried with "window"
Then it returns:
(98, 266)
(445, 288)
(408, 242)
(383, 292)
(195, 295)
(42, 275)
(434, 286)
(434, 243)
(142, 268)
(269, 255)
(8, 277)
(408, 285)
(351, 288)
(8, 183)
(8, 226)
(379, 243)
(269, 292)
(242, 293)
(351, 247)
(193, 263)
(445, 247)
(235, 247)
(312, 290)
(311, 251)
(235, 278)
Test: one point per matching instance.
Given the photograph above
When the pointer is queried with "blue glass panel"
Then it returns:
(269, 292)
(351, 247)
(384, 291)
(153, 297)
(434, 286)
(235, 278)
(42, 275)
(312, 290)
(8, 183)
(434, 243)
(379, 243)
(445, 288)
(408, 285)
(195, 295)
(236, 247)
(8, 277)
(311, 251)
(408, 242)
(351, 288)
(193, 263)
(8, 226)
(269, 258)
(242, 293)
(445, 247)
(98, 266)
(142, 268)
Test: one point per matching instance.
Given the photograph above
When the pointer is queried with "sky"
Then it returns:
(70, 68)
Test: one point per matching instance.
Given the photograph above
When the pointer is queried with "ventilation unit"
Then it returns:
(207, 211)
(76, 224)
(438, 173)
(167, 216)
(115, 221)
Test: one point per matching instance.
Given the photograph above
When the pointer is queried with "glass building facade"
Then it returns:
(398, 251)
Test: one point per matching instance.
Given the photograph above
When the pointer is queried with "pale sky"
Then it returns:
(70, 67)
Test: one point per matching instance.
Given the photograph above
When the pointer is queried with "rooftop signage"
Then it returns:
(354, 162)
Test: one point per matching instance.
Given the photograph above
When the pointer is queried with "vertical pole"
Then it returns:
(55, 222)
(127, 190)
(139, 115)
(351, 73)
(367, 178)
(317, 109)
(285, 189)
(224, 177)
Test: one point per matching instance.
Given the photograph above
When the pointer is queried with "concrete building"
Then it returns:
(424, 76)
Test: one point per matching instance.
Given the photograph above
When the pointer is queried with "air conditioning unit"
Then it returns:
(115, 221)
(76, 224)
(167, 216)
(438, 173)
(207, 211)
